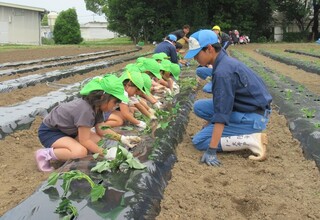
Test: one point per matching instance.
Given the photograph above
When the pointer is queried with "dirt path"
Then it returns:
(285, 186)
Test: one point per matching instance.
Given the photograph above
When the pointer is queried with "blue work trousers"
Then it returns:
(239, 124)
(203, 73)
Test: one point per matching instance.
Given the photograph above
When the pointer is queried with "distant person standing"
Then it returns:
(168, 46)
(182, 34)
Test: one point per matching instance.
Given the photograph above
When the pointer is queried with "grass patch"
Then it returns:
(107, 42)
(111, 41)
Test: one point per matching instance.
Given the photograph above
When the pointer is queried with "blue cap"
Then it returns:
(199, 40)
(172, 37)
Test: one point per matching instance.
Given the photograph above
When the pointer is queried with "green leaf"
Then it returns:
(124, 151)
(95, 156)
(97, 192)
(100, 143)
(127, 128)
(53, 178)
(164, 125)
(105, 127)
(135, 163)
(66, 208)
(101, 166)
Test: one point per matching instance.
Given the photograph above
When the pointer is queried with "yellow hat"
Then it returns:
(216, 27)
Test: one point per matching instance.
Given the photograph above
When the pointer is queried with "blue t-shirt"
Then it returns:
(236, 87)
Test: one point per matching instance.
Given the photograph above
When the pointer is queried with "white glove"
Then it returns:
(130, 141)
(152, 114)
(142, 124)
(152, 111)
(153, 117)
(168, 90)
(157, 105)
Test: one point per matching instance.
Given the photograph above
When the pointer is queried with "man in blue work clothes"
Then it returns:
(168, 46)
(240, 108)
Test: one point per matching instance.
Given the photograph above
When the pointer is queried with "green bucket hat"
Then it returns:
(140, 59)
(151, 65)
(175, 70)
(109, 84)
(160, 56)
(135, 77)
(133, 67)
(147, 83)
(166, 64)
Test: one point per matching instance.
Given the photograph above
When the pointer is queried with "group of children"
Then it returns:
(73, 129)
(235, 116)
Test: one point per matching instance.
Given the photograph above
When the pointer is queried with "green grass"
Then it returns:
(98, 43)
(111, 41)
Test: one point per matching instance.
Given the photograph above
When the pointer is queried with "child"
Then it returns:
(141, 105)
(66, 131)
(170, 73)
(152, 68)
(159, 57)
(133, 83)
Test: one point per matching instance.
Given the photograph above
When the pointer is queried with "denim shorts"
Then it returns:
(48, 136)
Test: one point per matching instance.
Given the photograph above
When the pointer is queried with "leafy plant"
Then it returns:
(288, 94)
(65, 206)
(188, 81)
(123, 161)
(309, 113)
(301, 88)
(283, 78)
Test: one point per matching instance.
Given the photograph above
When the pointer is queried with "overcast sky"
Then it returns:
(84, 16)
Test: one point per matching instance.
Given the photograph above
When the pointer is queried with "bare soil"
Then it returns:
(285, 186)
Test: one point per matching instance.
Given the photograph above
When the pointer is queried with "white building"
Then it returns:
(96, 31)
(20, 24)
(89, 31)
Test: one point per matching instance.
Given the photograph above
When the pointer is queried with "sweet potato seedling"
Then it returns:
(65, 207)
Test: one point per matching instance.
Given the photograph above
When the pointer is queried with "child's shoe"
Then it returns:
(43, 158)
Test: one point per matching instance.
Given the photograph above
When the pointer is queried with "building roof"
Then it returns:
(22, 7)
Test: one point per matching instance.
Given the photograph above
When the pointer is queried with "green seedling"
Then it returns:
(283, 78)
(301, 88)
(288, 94)
(189, 81)
(308, 113)
(65, 207)
(317, 125)
(123, 161)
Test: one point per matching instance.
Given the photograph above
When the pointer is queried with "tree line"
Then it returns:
(151, 20)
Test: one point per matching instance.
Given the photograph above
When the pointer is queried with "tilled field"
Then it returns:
(285, 186)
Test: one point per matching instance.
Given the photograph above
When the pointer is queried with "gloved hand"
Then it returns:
(152, 111)
(157, 105)
(168, 91)
(153, 117)
(152, 114)
(142, 124)
(210, 157)
(130, 141)
(159, 87)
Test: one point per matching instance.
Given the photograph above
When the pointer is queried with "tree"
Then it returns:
(315, 19)
(67, 28)
(153, 20)
(44, 21)
(297, 11)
